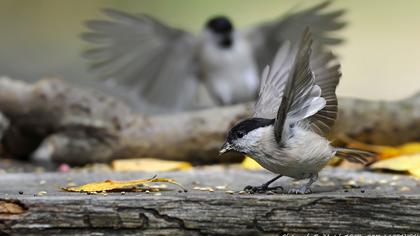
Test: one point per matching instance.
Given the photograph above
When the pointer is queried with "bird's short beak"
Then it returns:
(225, 148)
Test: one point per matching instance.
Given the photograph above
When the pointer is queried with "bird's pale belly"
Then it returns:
(234, 87)
(300, 158)
(293, 168)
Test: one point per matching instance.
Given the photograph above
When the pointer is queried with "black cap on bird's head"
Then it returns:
(240, 130)
(222, 27)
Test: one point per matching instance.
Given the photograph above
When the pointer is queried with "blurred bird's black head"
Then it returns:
(222, 27)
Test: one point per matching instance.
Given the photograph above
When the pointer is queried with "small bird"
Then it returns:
(296, 107)
(166, 67)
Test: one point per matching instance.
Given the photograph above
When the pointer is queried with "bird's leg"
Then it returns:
(305, 189)
(263, 188)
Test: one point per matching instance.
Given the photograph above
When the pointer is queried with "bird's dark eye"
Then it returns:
(240, 134)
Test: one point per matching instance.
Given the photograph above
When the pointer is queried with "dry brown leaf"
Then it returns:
(404, 163)
(149, 165)
(10, 208)
(109, 185)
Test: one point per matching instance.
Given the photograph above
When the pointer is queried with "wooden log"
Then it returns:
(52, 120)
(371, 203)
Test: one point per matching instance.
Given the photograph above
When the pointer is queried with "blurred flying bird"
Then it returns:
(165, 66)
(295, 109)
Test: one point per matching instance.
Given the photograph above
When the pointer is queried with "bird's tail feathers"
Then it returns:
(354, 155)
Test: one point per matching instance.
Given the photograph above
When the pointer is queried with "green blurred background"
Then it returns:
(381, 58)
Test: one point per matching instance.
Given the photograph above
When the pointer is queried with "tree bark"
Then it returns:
(52, 120)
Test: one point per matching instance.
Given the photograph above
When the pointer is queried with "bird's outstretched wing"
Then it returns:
(303, 93)
(145, 56)
(327, 76)
(267, 37)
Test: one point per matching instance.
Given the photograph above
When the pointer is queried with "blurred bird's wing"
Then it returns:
(273, 80)
(266, 38)
(146, 57)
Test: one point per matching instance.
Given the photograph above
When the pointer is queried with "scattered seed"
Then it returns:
(221, 187)
(91, 193)
(392, 183)
(405, 189)
(328, 183)
(324, 179)
(157, 194)
(229, 192)
(122, 193)
(41, 193)
(370, 181)
(396, 177)
(351, 182)
(383, 181)
(242, 192)
(42, 182)
(147, 191)
(362, 191)
(208, 189)
(20, 192)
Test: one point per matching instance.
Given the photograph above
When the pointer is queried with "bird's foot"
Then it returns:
(261, 189)
(302, 190)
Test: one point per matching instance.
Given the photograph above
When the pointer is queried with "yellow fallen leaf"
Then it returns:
(405, 163)
(410, 148)
(149, 165)
(415, 172)
(384, 152)
(250, 164)
(109, 185)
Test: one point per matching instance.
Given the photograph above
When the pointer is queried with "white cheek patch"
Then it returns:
(255, 138)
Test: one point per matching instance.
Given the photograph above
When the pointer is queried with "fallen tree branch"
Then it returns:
(52, 120)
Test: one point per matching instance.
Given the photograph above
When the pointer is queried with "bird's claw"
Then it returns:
(255, 189)
(260, 189)
(302, 190)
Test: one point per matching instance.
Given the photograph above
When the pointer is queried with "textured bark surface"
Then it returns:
(52, 120)
(370, 203)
